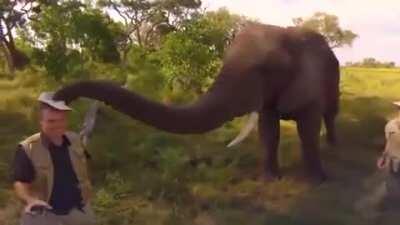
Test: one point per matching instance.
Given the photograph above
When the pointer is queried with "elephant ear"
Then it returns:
(306, 84)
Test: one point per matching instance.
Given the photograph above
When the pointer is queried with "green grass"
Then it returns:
(145, 176)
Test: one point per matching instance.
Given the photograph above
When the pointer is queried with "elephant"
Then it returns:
(285, 73)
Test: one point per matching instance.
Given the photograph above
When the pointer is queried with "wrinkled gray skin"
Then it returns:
(281, 73)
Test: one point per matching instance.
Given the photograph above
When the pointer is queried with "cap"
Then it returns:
(47, 97)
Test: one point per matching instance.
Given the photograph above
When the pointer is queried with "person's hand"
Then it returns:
(380, 163)
(35, 202)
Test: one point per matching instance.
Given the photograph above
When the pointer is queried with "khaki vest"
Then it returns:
(42, 185)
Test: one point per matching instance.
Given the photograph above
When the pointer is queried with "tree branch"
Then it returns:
(150, 31)
(114, 6)
(27, 10)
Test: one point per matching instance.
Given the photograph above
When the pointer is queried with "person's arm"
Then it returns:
(23, 176)
(382, 160)
(390, 129)
(23, 191)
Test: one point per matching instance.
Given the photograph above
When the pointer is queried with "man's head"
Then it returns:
(52, 115)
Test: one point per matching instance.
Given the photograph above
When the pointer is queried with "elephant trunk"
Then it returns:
(209, 112)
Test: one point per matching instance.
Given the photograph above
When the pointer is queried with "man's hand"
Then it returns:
(35, 202)
(23, 192)
(381, 162)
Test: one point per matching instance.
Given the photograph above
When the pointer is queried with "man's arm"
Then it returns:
(390, 129)
(23, 191)
(382, 161)
(23, 175)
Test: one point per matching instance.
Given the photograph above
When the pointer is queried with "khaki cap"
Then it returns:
(47, 98)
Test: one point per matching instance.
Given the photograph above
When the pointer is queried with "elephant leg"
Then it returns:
(308, 127)
(268, 125)
(331, 135)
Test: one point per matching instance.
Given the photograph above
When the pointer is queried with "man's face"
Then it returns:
(53, 122)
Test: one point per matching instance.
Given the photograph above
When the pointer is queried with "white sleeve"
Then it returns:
(390, 128)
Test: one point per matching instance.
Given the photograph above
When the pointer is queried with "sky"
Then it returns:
(376, 22)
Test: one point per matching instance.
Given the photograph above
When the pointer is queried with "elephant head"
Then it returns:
(267, 69)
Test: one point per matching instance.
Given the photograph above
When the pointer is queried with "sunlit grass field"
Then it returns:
(145, 176)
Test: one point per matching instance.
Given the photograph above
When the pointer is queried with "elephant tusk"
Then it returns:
(245, 131)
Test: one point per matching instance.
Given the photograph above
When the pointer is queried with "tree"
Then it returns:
(85, 34)
(145, 21)
(327, 25)
(191, 56)
(373, 63)
(14, 14)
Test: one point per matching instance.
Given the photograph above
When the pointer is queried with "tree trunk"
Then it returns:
(89, 122)
(19, 59)
(6, 53)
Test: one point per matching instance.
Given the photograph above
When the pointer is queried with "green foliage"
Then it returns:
(18, 94)
(104, 200)
(327, 25)
(91, 30)
(59, 61)
(144, 73)
(145, 22)
(107, 200)
(105, 71)
(114, 189)
(172, 162)
(84, 35)
(191, 57)
(217, 29)
(188, 64)
(24, 46)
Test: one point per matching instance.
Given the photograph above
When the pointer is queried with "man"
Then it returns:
(50, 171)
(389, 161)
(391, 155)
(384, 197)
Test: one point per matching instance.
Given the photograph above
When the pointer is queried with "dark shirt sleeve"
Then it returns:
(23, 170)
